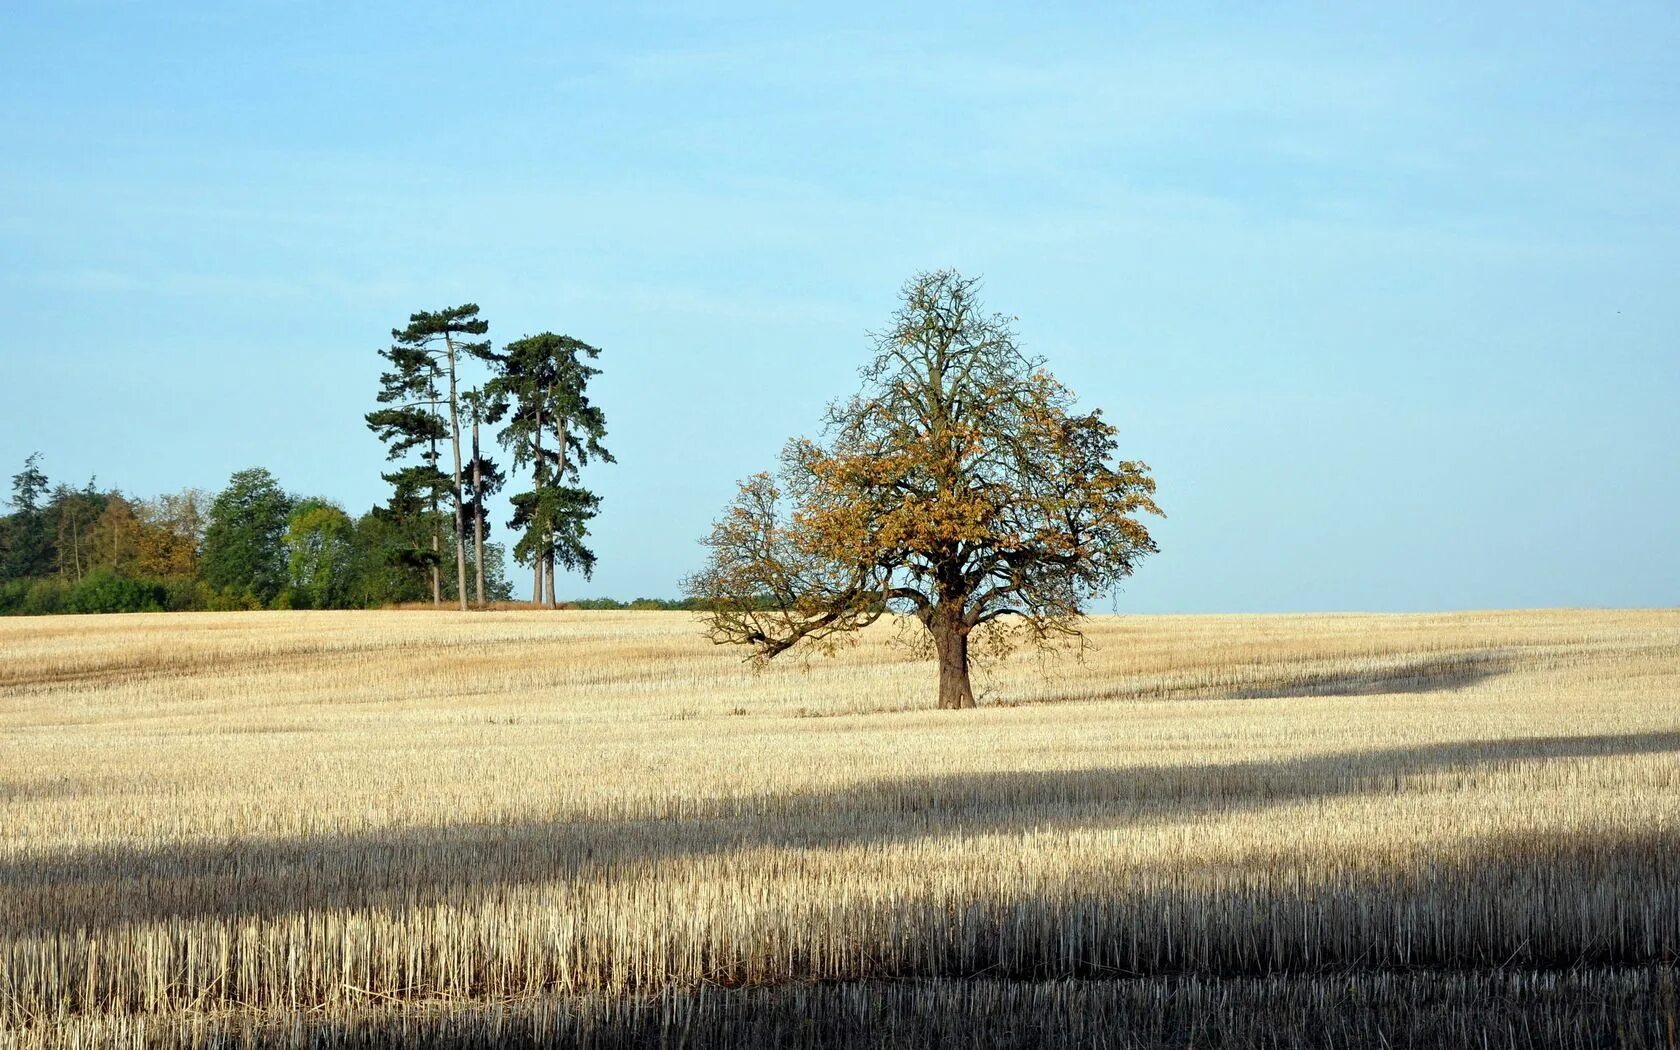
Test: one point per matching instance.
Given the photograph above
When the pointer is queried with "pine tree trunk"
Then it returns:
(950, 639)
(437, 548)
(455, 447)
(478, 519)
(537, 561)
(559, 479)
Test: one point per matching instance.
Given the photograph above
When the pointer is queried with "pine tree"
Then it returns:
(484, 479)
(413, 421)
(29, 547)
(541, 386)
(440, 337)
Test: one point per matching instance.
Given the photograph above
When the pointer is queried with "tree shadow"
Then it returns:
(1440, 674)
(88, 890)
(1447, 672)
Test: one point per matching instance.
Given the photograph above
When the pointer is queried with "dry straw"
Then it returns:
(327, 828)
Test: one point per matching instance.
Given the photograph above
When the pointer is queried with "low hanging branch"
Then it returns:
(958, 486)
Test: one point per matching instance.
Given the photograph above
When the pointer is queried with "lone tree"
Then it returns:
(958, 486)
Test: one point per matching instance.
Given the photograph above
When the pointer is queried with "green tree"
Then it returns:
(541, 386)
(320, 554)
(440, 338)
(385, 569)
(412, 422)
(29, 540)
(244, 542)
(553, 523)
(958, 486)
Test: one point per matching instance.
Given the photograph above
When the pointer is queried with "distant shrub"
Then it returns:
(107, 591)
(230, 600)
(102, 591)
(12, 594)
(44, 597)
(185, 594)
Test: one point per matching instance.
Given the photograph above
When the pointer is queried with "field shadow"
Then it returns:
(402, 868)
(1441, 674)
(1447, 672)
(1531, 909)
(1630, 1008)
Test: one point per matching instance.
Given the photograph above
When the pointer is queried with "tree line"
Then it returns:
(254, 545)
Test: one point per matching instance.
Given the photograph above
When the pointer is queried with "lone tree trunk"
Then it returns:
(950, 640)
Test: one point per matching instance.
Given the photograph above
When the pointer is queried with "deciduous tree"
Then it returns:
(244, 548)
(115, 542)
(960, 486)
(320, 553)
(171, 532)
(73, 513)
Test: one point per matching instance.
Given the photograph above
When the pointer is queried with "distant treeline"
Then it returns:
(639, 604)
(255, 546)
(251, 546)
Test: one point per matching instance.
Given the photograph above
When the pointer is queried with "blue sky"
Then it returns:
(1388, 300)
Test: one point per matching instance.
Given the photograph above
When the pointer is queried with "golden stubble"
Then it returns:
(321, 810)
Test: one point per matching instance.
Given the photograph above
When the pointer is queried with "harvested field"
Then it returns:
(518, 827)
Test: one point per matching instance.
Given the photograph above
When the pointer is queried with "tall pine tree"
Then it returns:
(412, 420)
(541, 387)
(484, 479)
(440, 337)
(29, 547)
